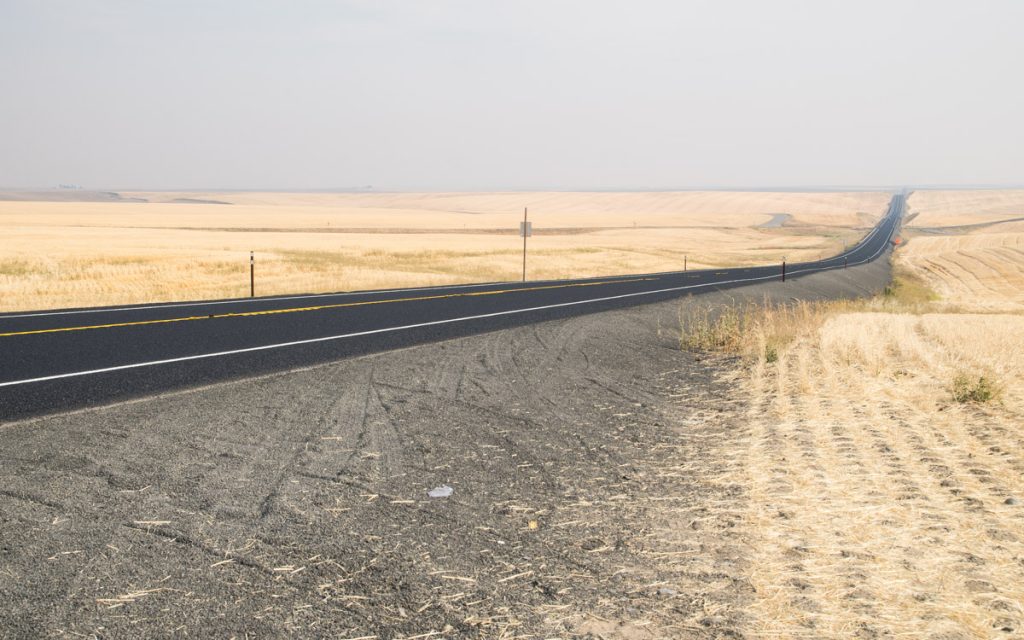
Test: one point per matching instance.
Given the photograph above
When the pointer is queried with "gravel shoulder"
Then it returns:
(591, 463)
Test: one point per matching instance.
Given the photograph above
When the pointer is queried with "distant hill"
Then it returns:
(65, 195)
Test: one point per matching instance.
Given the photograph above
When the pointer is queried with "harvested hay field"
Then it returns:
(968, 246)
(983, 269)
(880, 454)
(879, 505)
(949, 208)
(147, 247)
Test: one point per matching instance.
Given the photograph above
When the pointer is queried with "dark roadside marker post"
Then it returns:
(252, 274)
(525, 230)
(684, 263)
(783, 269)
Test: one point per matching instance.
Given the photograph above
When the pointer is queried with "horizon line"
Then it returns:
(521, 189)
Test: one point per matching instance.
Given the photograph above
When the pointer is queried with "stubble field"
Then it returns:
(969, 246)
(146, 247)
(881, 444)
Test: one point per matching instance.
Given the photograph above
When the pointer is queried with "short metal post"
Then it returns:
(783, 269)
(684, 263)
(252, 274)
(524, 244)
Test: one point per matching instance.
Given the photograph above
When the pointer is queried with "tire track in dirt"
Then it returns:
(297, 458)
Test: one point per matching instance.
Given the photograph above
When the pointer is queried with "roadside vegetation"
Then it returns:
(760, 331)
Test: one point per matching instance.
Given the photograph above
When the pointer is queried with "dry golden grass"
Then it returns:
(984, 269)
(61, 254)
(950, 208)
(981, 266)
(561, 209)
(879, 505)
(885, 479)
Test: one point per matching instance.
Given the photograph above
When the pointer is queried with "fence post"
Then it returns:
(525, 233)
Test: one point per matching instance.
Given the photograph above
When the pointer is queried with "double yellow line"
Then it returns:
(321, 307)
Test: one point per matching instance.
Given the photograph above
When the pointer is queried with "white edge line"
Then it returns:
(173, 305)
(406, 327)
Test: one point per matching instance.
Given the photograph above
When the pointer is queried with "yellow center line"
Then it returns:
(242, 314)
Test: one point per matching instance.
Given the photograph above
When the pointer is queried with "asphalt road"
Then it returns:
(59, 360)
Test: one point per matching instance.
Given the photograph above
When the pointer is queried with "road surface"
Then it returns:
(59, 360)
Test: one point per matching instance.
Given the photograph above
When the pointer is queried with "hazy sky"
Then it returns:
(481, 94)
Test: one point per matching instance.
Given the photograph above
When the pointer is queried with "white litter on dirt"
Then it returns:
(441, 492)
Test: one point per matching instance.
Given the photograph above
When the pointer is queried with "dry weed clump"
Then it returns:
(909, 289)
(761, 331)
(979, 389)
(756, 331)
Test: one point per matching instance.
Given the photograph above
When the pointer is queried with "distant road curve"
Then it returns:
(58, 360)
